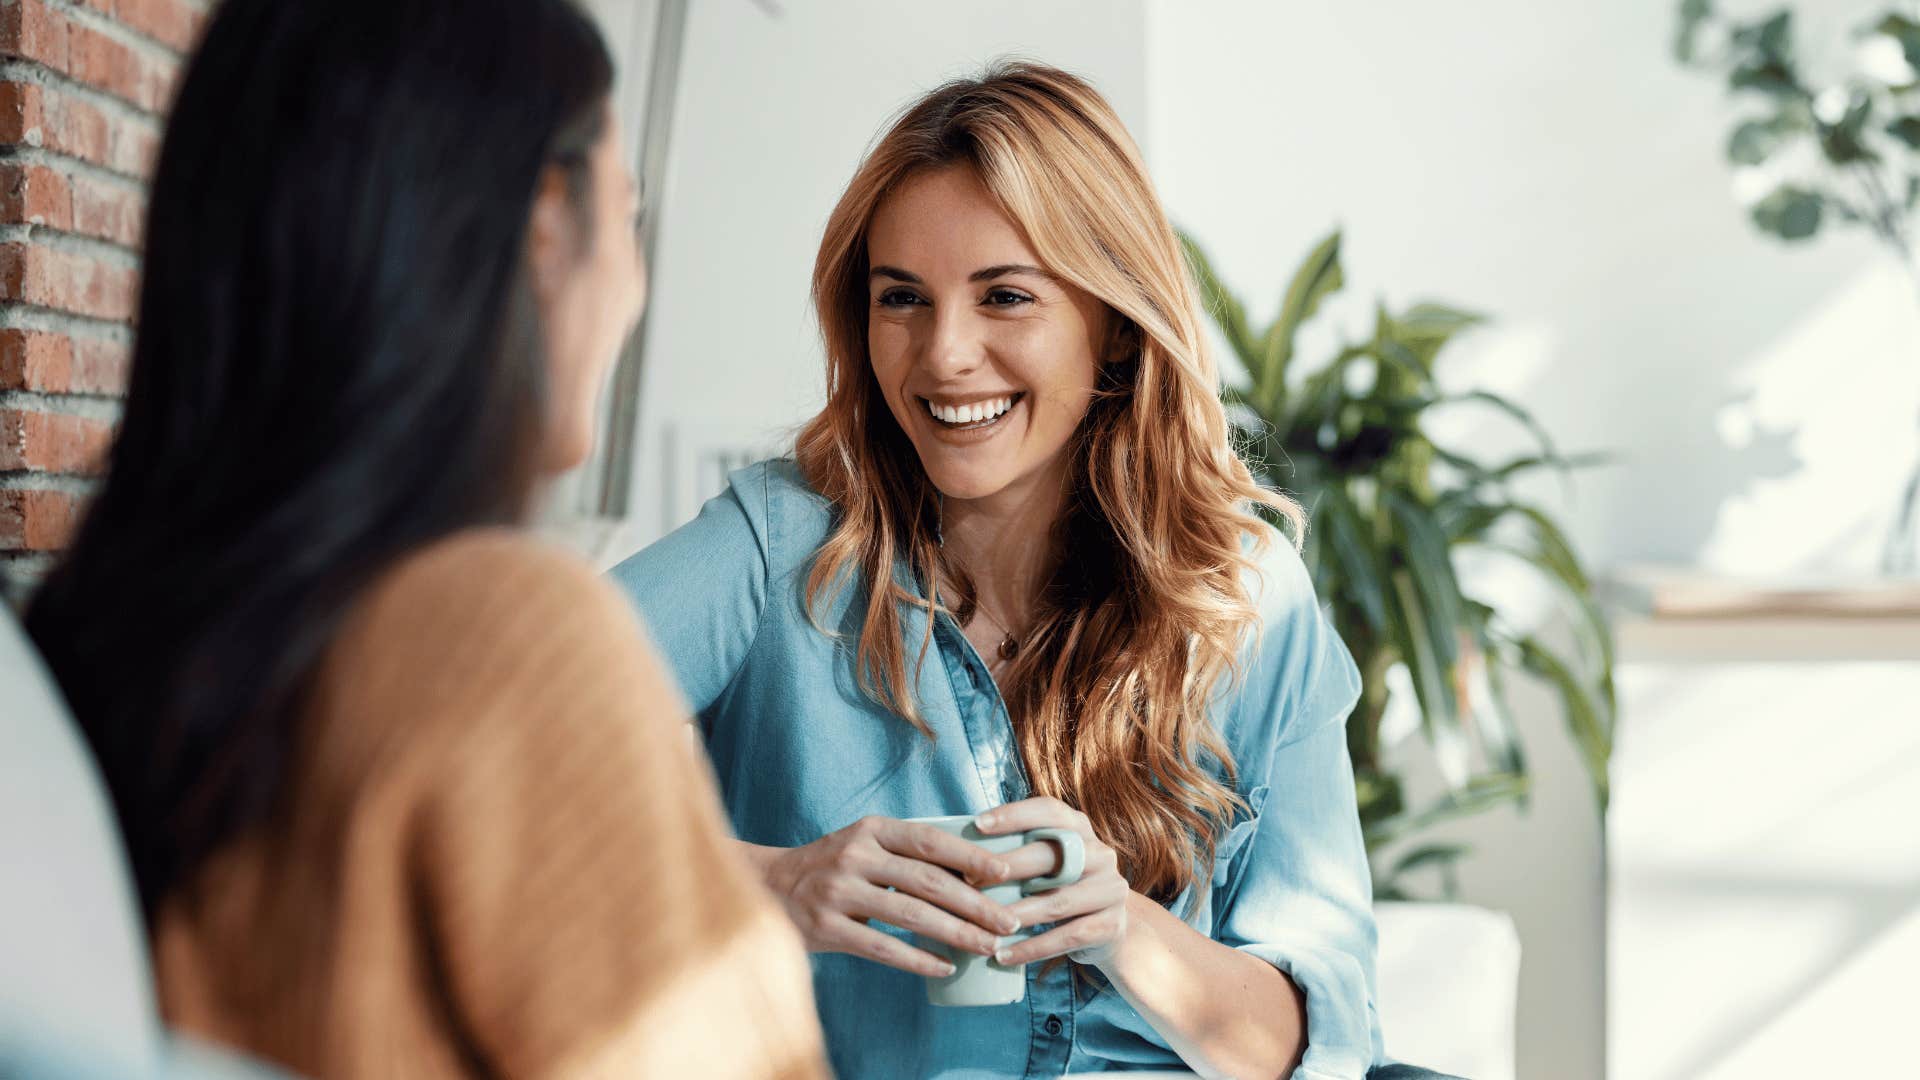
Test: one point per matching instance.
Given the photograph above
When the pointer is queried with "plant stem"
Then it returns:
(1901, 555)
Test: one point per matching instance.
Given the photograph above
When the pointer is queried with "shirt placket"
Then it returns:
(996, 759)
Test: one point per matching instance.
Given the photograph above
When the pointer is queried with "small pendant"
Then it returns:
(1009, 648)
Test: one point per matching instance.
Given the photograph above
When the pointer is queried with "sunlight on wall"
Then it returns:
(1779, 924)
(1837, 395)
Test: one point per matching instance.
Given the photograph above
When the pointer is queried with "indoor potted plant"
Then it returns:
(1389, 508)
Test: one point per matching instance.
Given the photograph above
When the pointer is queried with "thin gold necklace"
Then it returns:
(1009, 645)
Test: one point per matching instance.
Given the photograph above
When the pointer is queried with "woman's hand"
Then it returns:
(831, 887)
(1091, 912)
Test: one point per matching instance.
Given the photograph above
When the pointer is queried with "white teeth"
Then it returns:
(970, 414)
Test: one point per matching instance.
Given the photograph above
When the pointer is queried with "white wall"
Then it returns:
(1545, 161)
(773, 116)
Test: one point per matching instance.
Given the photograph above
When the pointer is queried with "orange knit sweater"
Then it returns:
(500, 854)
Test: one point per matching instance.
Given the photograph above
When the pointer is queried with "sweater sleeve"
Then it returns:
(583, 908)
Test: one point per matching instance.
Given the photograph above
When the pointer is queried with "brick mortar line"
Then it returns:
(70, 167)
(10, 309)
(23, 480)
(113, 28)
(44, 560)
(72, 243)
(33, 71)
(86, 407)
(15, 315)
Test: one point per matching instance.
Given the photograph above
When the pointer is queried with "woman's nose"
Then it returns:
(952, 349)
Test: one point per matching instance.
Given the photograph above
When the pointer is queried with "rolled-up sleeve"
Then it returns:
(1300, 896)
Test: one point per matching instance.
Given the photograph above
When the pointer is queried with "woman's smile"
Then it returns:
(969, 423)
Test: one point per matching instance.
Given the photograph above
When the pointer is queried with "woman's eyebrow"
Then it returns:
(1005, 269)
(987, 273)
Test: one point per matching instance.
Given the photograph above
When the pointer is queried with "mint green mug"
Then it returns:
(981, 980)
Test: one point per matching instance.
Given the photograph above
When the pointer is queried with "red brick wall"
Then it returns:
(83, 88)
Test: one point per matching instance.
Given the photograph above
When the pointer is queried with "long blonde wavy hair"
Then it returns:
(1147, 610)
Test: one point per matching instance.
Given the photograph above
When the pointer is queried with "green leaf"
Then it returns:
(1443, 856)
(1907, 130)
(1753, 142)
(1519, 414)
(1494, 723)
(1770, 38)
(1906, 32)
(1790, 213)
(1229, 314)
(1844, 143)
(1432, 568)
(1591, 732)
(1693, 13)
(1427, 855)
(1318, 277)
(1353, 554)
(1771, 78)
(1496, 475)
(1481, 794)
(1426, 328)
(1422, 642)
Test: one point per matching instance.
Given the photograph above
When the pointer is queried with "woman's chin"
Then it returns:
(958, 482)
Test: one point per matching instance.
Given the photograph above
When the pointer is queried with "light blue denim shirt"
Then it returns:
(800, 752)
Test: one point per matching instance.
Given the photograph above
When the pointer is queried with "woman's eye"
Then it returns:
(1007, 298)
(898, 298)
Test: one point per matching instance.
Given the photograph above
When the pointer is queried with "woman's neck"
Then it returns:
(1006, 543)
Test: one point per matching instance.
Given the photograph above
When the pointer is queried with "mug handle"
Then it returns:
(1073, 859)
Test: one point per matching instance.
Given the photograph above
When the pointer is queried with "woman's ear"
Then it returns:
(1122, 339)
(551, 226)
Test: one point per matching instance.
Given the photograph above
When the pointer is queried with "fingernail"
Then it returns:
(1009, 924)
(999, 871)
(946, 970)
(986, 821)
(1000, 956)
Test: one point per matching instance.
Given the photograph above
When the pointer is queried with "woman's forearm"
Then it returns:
(1226, 1013)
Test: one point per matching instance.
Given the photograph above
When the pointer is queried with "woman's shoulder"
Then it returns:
(767, 517)
(1295, 674)
(507, 576)
(794, 516)
(1275, 576)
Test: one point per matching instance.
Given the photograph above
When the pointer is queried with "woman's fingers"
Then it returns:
(912, 913)
(1038, 812)
(936, 886)
(1098, 929)
(1081, 898)
(930, 845)
(1038, 859)
(855, 938)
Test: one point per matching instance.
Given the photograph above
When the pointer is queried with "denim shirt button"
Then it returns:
(1053, 1025)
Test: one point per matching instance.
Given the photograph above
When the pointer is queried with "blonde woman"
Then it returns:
(1012, 570)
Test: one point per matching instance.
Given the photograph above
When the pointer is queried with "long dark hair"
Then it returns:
(338, 359)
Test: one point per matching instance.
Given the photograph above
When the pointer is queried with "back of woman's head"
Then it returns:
(338, 358)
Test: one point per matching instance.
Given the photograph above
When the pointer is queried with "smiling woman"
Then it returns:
(1013, 572)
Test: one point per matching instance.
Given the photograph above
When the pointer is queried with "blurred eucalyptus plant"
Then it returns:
(1390, 507)
(1814, 154)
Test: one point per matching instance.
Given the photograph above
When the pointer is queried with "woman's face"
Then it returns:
(987, 360)
(591, 285)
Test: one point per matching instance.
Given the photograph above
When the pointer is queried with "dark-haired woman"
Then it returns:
(405, 792)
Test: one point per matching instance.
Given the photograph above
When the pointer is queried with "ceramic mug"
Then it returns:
(981, 980)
